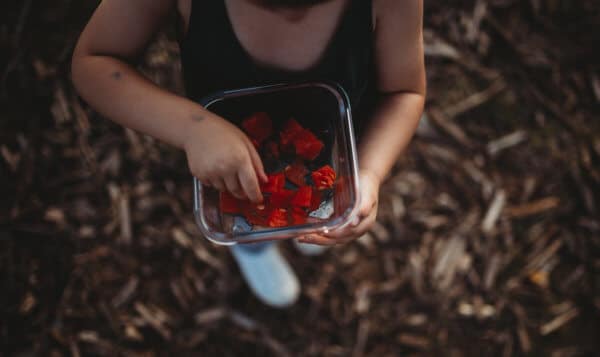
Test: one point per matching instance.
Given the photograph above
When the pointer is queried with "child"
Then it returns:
(373, 48)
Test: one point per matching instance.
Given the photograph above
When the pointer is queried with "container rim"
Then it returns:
(285, 233)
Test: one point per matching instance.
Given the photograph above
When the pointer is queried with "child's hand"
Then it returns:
(221, 155)
(369, 193)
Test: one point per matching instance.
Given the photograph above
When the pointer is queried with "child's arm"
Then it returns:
(103, 74)
(401, 81)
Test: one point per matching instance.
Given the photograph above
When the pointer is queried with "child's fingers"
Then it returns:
(351, 232)
(249, 183)
(366, 224)
(339, 233)
(205, 182)
(218, 183)
(233, 186)
(317, 239)
(352, 228)
(362, 228)
(257, 163)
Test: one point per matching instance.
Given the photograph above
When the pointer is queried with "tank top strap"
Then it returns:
(208, 18)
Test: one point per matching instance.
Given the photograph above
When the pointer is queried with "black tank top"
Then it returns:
(213, 58)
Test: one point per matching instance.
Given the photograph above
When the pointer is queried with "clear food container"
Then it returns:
(324, 109)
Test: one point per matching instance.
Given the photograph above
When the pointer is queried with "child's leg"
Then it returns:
(309, 249)
(254, 247)
(267, 273)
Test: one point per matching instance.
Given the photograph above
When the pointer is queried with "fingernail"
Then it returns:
(355, 221)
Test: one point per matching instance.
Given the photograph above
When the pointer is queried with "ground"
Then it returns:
(487, 241)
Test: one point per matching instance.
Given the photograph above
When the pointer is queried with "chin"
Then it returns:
(292, 3)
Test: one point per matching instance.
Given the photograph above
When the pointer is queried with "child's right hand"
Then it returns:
(221, 155)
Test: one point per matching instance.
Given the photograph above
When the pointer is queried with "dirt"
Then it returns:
(488, 233)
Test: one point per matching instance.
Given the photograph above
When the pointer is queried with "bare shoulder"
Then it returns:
(397, 10)
(184, 7)
(398, 38)
(123, 28)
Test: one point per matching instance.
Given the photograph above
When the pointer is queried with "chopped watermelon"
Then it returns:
(298, 215)
(289, 132)
(283, 207)
(228, 203)
(275, 183)
(281, 198)
(255, 214)
(315, 199)
(307, 145)
(296, 173)
(324, 177)
(302, 197)
(259, 127)
(277, 218)
(272, 149)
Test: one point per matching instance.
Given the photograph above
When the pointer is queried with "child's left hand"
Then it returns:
(369, 193)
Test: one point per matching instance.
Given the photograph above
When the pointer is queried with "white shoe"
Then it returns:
(308, 249)
(268, 274)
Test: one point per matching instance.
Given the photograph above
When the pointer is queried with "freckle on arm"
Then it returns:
(117, 75)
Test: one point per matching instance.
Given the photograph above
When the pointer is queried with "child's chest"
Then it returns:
(293, 40)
